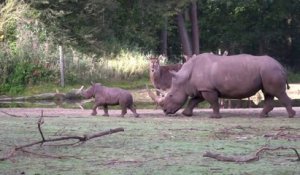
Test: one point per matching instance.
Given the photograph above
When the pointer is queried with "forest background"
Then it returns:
(109, 41)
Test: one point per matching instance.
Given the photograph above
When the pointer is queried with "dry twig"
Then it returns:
(12, 115)
(80, 139)
(248, 158)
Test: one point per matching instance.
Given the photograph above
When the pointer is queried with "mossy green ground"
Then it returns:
(153, 144)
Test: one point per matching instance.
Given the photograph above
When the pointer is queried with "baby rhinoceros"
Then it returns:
(105, 96)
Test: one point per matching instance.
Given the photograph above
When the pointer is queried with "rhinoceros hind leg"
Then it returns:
(133, 110)
(212, 99)
(287, 102)
(268, 105)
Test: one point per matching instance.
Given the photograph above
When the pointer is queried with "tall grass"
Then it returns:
(126, 65)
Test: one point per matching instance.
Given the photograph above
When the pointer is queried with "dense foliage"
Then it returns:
(95, 32)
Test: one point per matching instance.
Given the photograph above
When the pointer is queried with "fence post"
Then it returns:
(61, 66)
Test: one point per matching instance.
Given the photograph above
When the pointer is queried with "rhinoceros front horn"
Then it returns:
(80, 90)
(155, 98)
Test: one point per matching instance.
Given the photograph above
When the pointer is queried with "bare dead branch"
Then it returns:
(48, 155)
(10, 154)
(40, 122)
(247, 158)
(264, 149)
(12, 115)
(80, 139)
(220, 157)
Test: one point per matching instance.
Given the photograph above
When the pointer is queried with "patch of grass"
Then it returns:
(129, 84)
(48, 87)
(153, 144)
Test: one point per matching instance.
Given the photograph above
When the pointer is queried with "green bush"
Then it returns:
(20, 74)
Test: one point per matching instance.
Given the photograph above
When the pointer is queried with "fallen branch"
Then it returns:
(20, 116)
(80, 139)
(12, 115)
(247, 158)
(49, 155)
(40, 122)
(72, 94)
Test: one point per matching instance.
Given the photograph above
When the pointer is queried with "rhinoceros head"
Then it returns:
(90, 91)
(175, 98)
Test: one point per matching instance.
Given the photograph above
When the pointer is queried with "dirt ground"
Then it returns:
(56, 112)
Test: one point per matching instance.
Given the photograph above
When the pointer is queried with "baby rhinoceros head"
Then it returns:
(90, 92)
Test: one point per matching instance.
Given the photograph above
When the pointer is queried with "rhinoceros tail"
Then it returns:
(287, 85)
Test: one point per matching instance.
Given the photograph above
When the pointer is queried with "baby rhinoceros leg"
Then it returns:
(105, 109)
(133, 110)
(94, 109)
(124, 110)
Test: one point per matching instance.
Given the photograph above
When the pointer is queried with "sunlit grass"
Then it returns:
(126, 65)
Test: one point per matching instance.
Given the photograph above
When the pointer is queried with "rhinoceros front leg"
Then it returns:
(212, 98)
(95, 109)
(193, 102)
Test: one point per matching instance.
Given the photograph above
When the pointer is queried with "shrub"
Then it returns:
(19, 73)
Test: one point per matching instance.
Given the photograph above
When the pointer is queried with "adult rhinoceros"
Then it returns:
(208, 77)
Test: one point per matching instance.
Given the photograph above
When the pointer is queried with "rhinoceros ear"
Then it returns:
(185, 57)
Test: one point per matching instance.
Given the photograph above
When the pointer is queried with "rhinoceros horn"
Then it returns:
(80, 89)
(156, 99)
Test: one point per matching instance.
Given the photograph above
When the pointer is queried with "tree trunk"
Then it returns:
(164, 40)
(186, 46)
(195, 29)
(62, 66)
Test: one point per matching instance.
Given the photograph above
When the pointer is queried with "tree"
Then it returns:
(185, 42)
(164, 39)
(195, 29)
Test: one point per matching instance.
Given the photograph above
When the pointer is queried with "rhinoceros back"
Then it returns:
(237, 76)
(116, 96)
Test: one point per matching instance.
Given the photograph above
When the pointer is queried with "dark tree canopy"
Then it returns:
(100, 26)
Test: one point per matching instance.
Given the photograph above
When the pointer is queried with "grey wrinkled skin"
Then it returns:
(106, 96)
(160, 76)
(208, 77)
